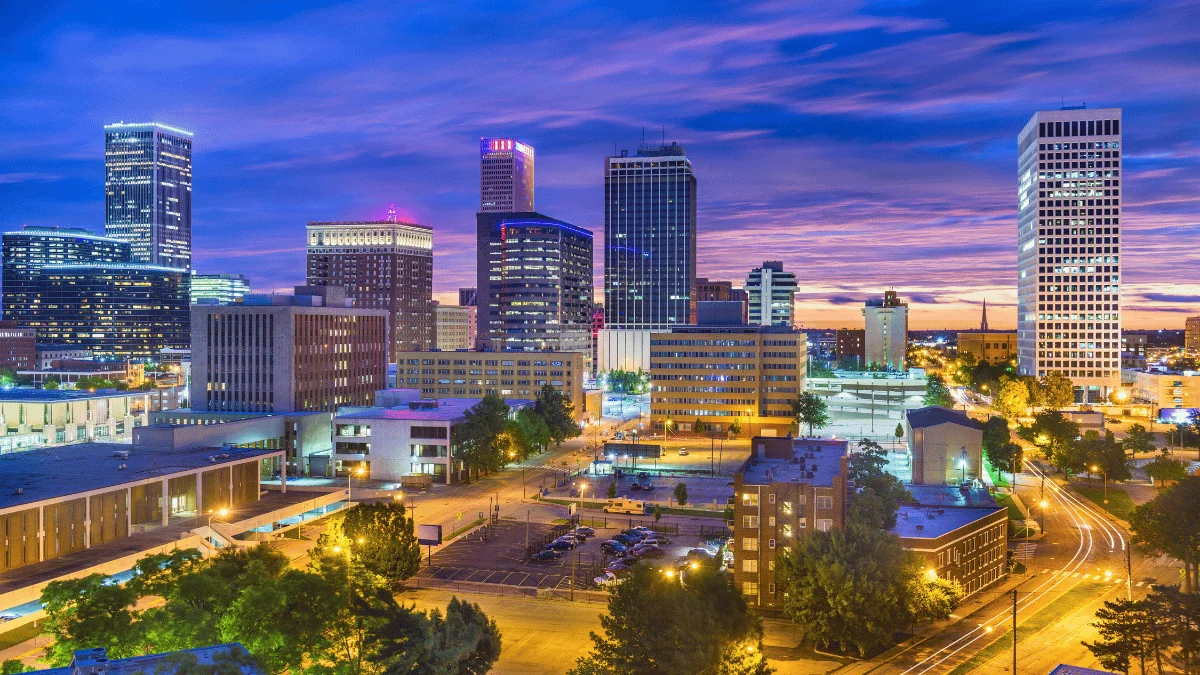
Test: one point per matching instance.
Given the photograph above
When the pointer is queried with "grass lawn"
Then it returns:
(1047, 616)
(1119, 504)
(996, 475)
(1006, 501)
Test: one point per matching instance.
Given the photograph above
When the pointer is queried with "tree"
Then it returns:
(681, 494)
(1057, 390)
(1169, 524)
(699, 427)
(1164, 468)
(627, 381)
(936, 393)
(1180, 615)
(612, 490)
(652, 615)
(1056, 436)
(899, 432)
(382, 540)
(998, 447)
(1137, 439)
(1120, 624)
(963, 368)
(530, 431)
(735, 428)
(931, 598)
(51, 383)
(558, 412)
(13, 667)
(1105, 454)
(479, 439)
(848, 587)
(877, 494)
(82, 613)
(657, 513)
(819, 369)
(812, 410)
(1011, 400)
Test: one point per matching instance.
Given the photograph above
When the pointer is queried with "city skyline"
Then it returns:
(869, 147)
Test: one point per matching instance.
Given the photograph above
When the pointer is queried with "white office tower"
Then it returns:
(885, 332)
(1068, 260)
(771, 292)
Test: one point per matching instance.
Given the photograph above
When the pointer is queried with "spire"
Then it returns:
(391, 212)
(983, 325)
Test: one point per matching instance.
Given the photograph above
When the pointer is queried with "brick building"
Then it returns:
(850, 346)
(18, 346)
(961, 534)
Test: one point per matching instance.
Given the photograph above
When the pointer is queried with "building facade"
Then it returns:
(308, 352)
(1166, 390)
(771, 292)
(1069, 248)
(712, 290)
(467, 297)
(515, 375)
(649, 239)
(995, 348)
(113, 309)
(885, 337)
(961, 536)
(148, 191)
(34, 418)
(26, 251)
(18, 346)
(945, 446)
(1191, 335)
(218, 289)
(384, 265)
(850, 347)
(535, 283)
(456, 327)
(505, 176)
(786, 489)
(719, 374)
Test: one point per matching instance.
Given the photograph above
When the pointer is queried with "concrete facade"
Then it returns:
(944, 446)
(33, 418)
(885, 337)
(622, 349)
(995, 348)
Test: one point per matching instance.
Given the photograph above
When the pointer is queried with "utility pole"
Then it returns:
(1014, 593)
(1129, 571)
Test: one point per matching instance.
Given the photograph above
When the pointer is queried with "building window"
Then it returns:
(771, 543)
(771, 498)
(750, 587)
(772, 521)
(749, 499)
(749, 544)
(750, 565)
(824, 524)
(750, 521)
(824, 502)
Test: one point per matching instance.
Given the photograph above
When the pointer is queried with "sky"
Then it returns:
(865, 145)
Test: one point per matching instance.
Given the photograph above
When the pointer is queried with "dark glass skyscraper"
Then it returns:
(505, 176)
(649, 238)
(148, 191)
(535, 283)
(25, 252)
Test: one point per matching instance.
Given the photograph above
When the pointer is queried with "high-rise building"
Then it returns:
(311, 352)
(27, 250)
(1191, 335)
(649, 239)
(771, 292)
(455, 327)
(218, 289)
(535, 283)
(113, 309)
(1069, 248)
(885, 338)
(148, 191)
(505, 176)
(466, 297)
(382, 265)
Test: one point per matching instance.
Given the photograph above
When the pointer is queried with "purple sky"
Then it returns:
(865, 145)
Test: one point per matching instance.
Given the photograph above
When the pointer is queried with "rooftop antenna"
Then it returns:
(391, 212)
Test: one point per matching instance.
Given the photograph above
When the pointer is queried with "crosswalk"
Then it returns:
(1102, 578)
(1024, 550)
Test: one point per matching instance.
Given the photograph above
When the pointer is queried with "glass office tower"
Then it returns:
(505, 175)
(148, 191)
(649, 239)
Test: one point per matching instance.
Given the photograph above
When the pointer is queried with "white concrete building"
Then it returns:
(885, 342)
(623, 349)
(771, 293)
(456, 327)
(32, 418)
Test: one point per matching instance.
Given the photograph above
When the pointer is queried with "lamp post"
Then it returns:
(1042, 516)
(1104, 474)
(962, 463)
(221, 513)
(350, 475)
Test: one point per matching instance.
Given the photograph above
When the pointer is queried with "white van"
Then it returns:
(623, 505)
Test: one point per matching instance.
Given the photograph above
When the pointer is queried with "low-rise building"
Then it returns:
(960, 533)
(995, 348)
(33, 418)
(48, 354)
(515, 375)
(303, 436)
(719, 374)
(1165, 390)
(871, 396)
(411, 436)
(454, 327)
(787, 488)
(850, 348)
(68, 372)
(945, 446)
(18, 346)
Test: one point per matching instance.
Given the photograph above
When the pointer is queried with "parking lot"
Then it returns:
(501, 558)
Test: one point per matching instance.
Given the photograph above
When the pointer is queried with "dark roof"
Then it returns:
(96, 661)
(935, 414)
(949, 495)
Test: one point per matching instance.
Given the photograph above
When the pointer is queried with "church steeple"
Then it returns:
(983, 324)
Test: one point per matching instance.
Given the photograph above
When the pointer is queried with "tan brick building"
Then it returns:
(960, 534)
(945, 446)
(993, 348)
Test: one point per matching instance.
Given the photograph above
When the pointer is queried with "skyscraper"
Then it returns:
(1069, 247)
(885, 338)
(771, 293)
(148, 191)
(26, 251)
(382, 265)
(535, 283)
(649, 239)
(505, 175)
(218, 289)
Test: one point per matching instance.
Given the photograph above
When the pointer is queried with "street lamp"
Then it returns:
(1042, 516)
(353, 472)
(1096, 469)
(962, 463)
(220, 513)
(931, 574)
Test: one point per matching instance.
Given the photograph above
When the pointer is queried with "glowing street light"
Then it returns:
(931, 574)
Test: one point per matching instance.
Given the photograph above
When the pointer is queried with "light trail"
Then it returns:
(1079, 514)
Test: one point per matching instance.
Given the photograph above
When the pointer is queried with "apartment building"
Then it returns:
(961, 534)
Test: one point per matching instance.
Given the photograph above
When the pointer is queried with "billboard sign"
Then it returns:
(1176, 415)
(429, 535)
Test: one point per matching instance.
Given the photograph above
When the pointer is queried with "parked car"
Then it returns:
(560, 545)
(651, 552)
(626, 539)
(634, 532)
(627, 560)
(618, 569)
(643, 475)
(612, 547)
(545, 555)
(683, 452)
(699, 554)
(647, 485)
(622, 505)
(635, 486)
(572, 538)
(643, 528)
(620, 435)
(586, 531)
(606, 580)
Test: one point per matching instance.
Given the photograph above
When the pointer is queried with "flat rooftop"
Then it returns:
(944, 495)
(442, 410)
(816, 461)
(924, 522)
(31, 395)
(61, 471)
(96, 660)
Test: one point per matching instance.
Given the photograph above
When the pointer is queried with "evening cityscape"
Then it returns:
(365, 338)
